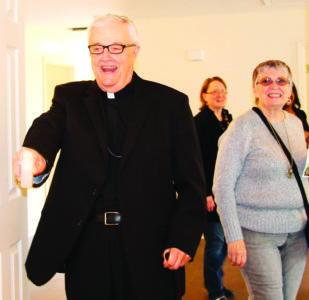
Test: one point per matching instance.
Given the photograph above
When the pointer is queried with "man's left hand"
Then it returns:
(176, 258)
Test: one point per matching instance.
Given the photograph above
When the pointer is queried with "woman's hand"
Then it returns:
(237, 253)
(210, 203)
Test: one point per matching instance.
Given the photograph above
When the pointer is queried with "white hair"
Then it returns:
(101, 21)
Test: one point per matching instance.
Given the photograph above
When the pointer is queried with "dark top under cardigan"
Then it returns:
(302, 116)
(209, 129)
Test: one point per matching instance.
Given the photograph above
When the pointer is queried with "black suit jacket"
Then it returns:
(161, 182)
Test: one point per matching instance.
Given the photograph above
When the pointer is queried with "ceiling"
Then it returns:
(79, 13)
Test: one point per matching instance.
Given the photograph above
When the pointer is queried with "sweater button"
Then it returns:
(95, 192)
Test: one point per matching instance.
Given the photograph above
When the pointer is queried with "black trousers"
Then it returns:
(97, 267)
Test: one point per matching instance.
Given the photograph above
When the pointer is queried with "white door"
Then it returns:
(13, 201)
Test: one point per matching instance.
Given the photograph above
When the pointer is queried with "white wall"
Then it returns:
(233, 44)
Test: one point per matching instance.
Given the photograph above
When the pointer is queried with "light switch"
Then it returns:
(196, 55)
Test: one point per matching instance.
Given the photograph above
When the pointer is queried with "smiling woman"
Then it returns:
(272, 86)
(259, 202)
(211, 122)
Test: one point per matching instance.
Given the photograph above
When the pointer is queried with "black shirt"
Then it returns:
(117, 111)
(209, 130)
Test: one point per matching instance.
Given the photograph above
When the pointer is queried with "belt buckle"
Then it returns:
(106, 216)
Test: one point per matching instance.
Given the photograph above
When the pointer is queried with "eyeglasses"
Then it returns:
(268, 81)
(112, 49)
(217, 92)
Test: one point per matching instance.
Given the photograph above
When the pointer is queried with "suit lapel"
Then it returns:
(94, 105)
(140, 108)
(139, 111)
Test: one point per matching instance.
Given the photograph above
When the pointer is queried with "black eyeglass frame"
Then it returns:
(109, 49)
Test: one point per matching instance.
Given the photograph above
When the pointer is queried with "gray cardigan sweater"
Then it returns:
(251, 186)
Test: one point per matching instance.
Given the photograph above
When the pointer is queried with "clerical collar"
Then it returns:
(110, 95)
(122, 93)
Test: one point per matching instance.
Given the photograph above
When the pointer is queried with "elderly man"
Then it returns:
(124, 213)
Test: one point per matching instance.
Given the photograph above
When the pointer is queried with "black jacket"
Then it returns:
(161, 184)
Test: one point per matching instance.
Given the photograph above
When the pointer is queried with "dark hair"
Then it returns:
(296, 102)
(295, 99)
(205, 87)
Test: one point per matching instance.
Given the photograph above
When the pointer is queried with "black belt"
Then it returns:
(108, 218)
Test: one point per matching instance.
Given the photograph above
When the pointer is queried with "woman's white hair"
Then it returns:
(101, 21)
(271, 64)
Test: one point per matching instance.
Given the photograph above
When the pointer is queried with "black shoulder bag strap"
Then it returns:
(294, 166)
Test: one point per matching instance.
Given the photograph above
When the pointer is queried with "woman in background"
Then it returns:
(293, 106)
(259, 201)
(211, 122)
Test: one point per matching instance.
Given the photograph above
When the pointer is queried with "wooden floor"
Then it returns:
(54, 290)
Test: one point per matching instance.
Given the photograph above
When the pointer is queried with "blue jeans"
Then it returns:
(214, 256)
(275, 264)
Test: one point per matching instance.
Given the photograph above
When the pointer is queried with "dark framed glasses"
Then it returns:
(266, 81)
(113, 49)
